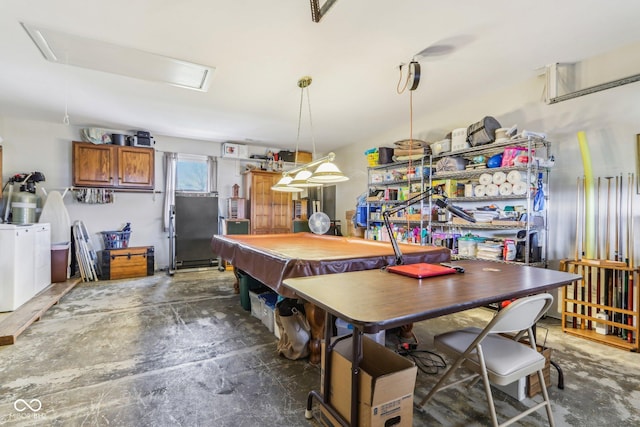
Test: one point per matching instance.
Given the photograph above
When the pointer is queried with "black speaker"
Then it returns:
(535, 250)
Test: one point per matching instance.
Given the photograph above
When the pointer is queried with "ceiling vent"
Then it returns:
(68, 49)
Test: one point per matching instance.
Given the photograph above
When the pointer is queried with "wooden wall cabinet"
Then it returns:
(269, 211)
(113, 166)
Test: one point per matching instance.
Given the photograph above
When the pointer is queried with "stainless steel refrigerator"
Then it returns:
(196, 221)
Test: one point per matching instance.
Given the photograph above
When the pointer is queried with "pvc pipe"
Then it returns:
(589, 196)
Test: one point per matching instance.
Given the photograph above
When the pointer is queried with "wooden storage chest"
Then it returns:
(127, 262)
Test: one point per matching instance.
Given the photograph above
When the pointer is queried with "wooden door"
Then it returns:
(94, 165)
(136, 167)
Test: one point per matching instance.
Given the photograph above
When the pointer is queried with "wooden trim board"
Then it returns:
(31, 311)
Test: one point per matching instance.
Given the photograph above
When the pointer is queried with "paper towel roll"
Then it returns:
(506, 189)
(492, 190)
(479, 190)
(485, 179)
(516, 176)
(499, 178)
(520, 188)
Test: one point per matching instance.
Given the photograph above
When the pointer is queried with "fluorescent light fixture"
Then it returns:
(97, 55)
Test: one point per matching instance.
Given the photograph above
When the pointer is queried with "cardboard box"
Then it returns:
(350, 216)
(352, 228)
(533, 383)
(387, 381)
(290, 156)
(304, 156)
(451, 187)
(357, 232)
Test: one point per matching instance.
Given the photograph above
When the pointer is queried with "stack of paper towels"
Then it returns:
(500, 184)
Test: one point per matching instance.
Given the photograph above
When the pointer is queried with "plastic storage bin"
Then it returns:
(459, 139)
(372, 157)
(256, 304)
(361, 216)
(268, 305)
(468, 246)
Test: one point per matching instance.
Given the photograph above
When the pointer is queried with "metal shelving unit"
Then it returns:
(535, 147)
(374, 209)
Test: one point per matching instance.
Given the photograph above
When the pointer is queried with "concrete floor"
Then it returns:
(181, 351)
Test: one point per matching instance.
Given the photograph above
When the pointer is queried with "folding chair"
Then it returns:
(496, 358)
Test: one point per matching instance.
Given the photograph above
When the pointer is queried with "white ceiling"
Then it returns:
(261, 48)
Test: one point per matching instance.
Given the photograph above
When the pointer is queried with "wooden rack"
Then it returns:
(607, 288)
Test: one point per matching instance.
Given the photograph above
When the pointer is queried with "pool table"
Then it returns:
(273, 258)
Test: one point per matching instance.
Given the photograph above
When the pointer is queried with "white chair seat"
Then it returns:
(498, 359)
(506, 359)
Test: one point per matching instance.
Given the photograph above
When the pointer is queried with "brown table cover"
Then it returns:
(272, 258)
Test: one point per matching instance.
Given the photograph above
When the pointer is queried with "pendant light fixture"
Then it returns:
(328, 172)
(283, 185)
(301, 177)
(301, 180)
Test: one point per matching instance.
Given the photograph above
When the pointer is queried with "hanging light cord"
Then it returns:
(313, 140)
(413, 77)
(410, 165)
(295, 161)
(65, 119)
(304, 83)
(399, 89)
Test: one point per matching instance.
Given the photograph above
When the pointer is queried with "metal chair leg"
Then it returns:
(560, 374)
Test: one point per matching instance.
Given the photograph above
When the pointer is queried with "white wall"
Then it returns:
(46, 147)
(611, 120)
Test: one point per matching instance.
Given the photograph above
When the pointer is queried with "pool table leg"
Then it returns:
(236, 285)
(315, 317)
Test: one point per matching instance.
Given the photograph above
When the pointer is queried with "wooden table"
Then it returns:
(373, 300)
(273, 258)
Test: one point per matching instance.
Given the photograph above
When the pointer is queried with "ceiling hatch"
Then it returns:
(69, 49)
